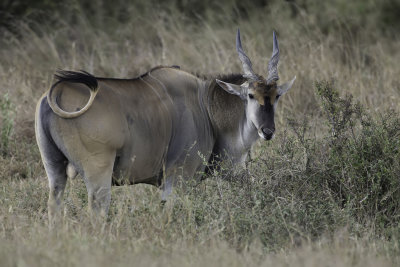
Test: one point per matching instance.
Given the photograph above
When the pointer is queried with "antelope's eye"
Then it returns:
(251, 96)
(277, 96)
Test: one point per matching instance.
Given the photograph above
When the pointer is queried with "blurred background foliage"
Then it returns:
(356, 15)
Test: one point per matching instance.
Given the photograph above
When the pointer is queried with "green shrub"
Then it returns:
(362, 168)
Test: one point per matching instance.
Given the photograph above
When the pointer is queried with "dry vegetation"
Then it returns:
(325, 192)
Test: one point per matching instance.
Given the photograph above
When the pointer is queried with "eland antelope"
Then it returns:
(156, 128)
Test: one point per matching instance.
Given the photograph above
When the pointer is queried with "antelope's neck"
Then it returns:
(233, 131)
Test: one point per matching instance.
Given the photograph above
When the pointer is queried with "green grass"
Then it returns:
(325, 191)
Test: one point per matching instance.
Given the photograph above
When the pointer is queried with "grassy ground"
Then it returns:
(324, 192)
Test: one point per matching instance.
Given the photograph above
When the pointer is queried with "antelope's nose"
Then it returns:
(268, 133)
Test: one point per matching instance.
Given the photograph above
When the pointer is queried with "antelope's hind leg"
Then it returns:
(98, 170)
(56, 173)
(54, 163)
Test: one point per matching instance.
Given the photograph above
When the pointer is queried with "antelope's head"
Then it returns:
(261, 95)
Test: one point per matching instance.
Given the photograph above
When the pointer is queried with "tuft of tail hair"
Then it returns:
(77, 77)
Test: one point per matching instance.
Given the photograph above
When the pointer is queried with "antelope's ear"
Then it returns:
(233, 89)
(282, 89)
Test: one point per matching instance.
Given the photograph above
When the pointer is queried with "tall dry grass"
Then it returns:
(272, 217)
